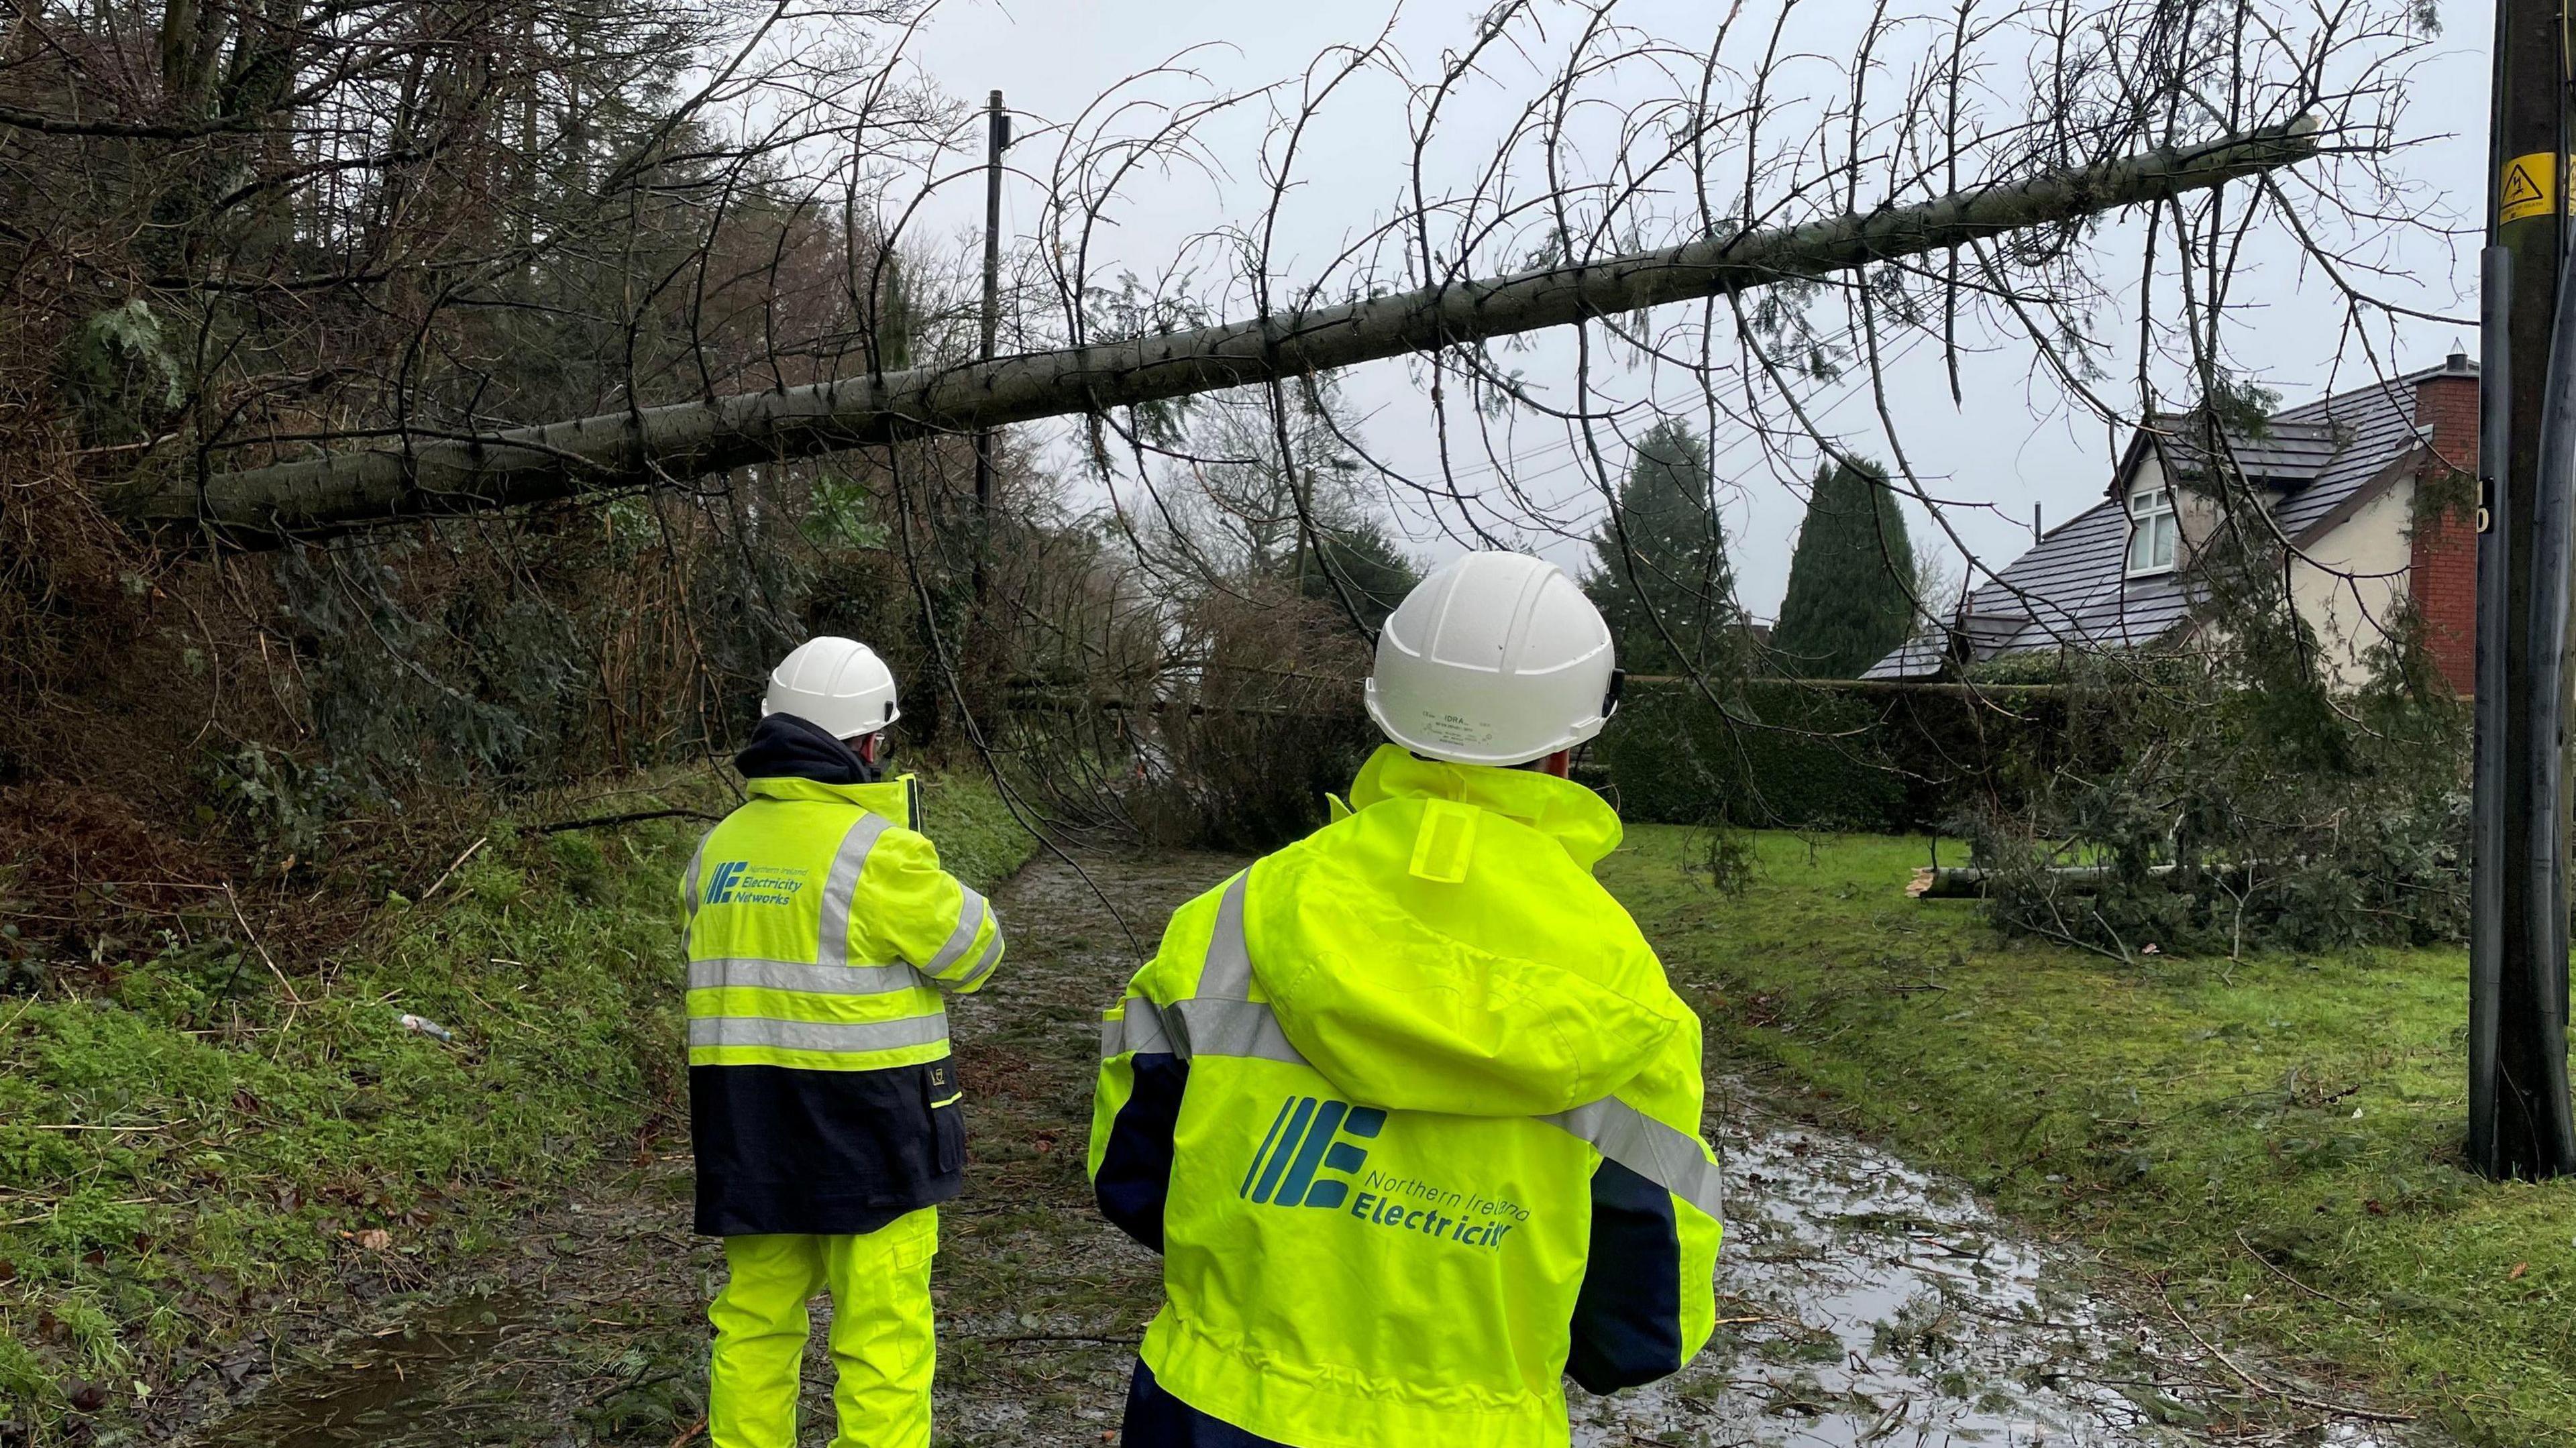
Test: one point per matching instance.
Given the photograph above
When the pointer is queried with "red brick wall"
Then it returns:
(2444, 574)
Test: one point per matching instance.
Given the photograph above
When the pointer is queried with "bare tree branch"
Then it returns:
(630, 448)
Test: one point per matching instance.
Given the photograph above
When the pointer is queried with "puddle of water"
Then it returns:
(1865, 1303)
(377, 1387)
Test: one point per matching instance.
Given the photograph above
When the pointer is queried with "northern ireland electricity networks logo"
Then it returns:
(739, 882)
(1303, 1141)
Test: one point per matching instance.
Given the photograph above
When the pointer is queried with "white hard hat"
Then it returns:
(839, 685)
(1496, 658)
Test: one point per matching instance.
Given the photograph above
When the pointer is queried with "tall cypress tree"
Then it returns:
(1660, 575)
(1851, 579)
(1360, 563)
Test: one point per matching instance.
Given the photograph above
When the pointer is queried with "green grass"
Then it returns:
(979, 840)
(2275, 1141)
(200, 1142)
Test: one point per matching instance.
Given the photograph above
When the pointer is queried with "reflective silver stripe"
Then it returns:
(816, 1035)
(1140, 1029)
(984, 963)
(1668, 1157)
(970, 919)
(797, 975)
(1205, 1027)
(1220, 1022)
(1227, 975)
(843, 886)
(697, 857)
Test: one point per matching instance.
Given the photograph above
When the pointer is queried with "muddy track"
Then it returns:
(1861, 1302)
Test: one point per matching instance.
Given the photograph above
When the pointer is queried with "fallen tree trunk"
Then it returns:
(1953, 882)
(440, 474)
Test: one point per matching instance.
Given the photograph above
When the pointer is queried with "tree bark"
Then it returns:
(434, 475)
(1968, 882)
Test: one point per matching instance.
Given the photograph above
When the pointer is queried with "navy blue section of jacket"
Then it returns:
(832, 1152)
(1156, 1419)
(828, 1152)
(1628, 1315)
(1135, 1174)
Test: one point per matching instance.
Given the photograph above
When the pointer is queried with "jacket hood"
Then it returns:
(1444, 947)
(1582, 823)
(785, 746)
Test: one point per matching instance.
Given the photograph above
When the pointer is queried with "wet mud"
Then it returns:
(1861, 1302)
(586, 1330)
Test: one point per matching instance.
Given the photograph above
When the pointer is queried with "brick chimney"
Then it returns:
(2444, 575)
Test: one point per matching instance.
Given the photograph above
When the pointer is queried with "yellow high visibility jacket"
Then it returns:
(822, 933)
(1413, 1115)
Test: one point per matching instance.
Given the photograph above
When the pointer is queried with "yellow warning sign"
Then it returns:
(2528, 188)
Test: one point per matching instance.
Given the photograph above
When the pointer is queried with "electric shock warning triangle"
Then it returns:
(2526, 188)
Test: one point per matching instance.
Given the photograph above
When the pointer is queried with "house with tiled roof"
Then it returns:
(2353, 481)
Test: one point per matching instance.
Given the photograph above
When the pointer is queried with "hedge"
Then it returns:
(1845, 755)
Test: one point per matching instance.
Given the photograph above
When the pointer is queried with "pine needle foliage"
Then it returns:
(2258, 803)
(1660, 573)
(1361, 564)
(1851, 594)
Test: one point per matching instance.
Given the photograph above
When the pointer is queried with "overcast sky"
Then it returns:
(2014, 444)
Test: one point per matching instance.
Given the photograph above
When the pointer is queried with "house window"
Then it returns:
(2152, 531)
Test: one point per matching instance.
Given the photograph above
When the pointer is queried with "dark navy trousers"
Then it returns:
(1156, 1419)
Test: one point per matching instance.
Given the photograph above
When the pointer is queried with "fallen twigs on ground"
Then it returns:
(2270, 1389)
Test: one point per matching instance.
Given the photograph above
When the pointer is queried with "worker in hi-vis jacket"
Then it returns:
(1408, 1107)
(823, 936)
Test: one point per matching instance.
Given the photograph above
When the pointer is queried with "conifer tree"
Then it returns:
(1851, 579)
(1660, 574)
(1359, 563)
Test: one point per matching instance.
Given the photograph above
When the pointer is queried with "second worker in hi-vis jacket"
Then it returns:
(823, 937)
(1408, 1107)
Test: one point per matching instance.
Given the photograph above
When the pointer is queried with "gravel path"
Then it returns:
(1862, 1302)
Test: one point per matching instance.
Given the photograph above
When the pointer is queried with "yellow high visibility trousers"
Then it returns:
(881, 1338)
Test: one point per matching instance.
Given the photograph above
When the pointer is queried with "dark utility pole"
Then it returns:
(997, 139)
(2519, 1124)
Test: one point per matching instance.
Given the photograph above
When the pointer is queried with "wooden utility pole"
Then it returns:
(997, 139)
(2519, 1123)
